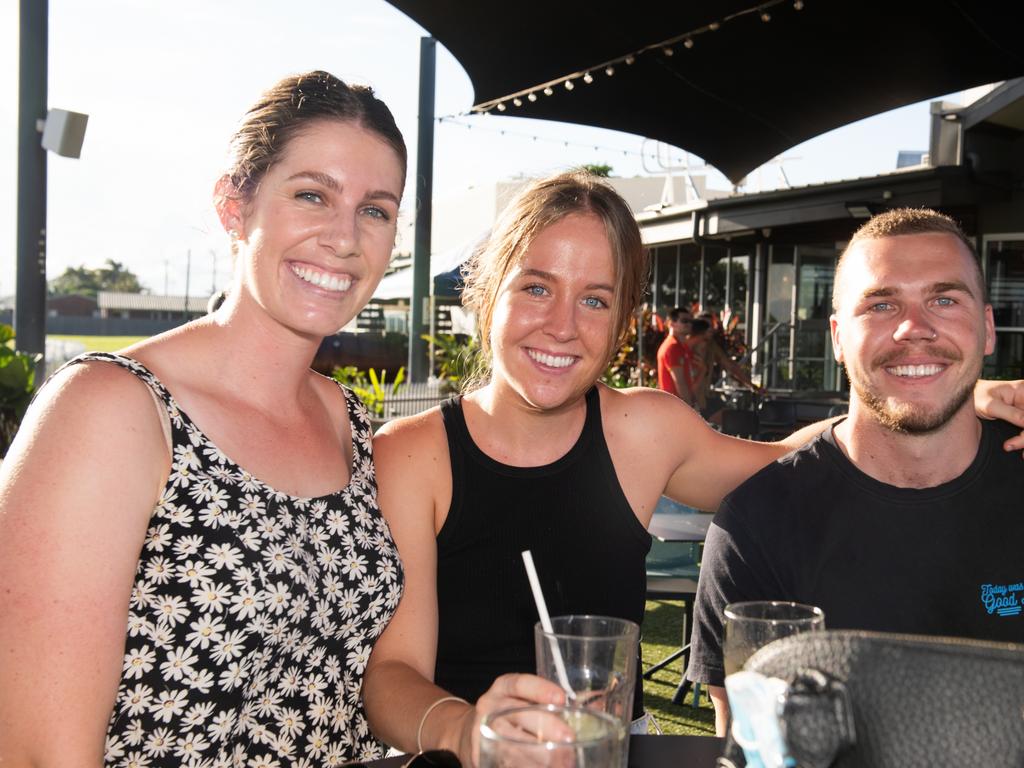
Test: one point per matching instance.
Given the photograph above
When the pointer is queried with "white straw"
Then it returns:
(545, 622)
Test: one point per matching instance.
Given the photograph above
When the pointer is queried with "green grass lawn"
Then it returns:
(100, 343)
(661, 634)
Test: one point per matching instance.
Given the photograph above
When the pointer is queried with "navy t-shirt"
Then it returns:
(811, 527)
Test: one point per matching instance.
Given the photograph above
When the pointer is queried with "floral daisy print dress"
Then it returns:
(252, 614)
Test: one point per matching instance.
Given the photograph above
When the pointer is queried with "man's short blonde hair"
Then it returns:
(907, 221)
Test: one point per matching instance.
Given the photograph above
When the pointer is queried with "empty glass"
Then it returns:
(600, 658)
(752, 625)
(551, 737)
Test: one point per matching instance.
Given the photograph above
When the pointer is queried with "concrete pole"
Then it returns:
(418, 368)
(30, 290)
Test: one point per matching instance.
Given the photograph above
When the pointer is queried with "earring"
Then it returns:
(233, 234)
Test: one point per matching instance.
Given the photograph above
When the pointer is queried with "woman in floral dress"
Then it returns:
(193, 565)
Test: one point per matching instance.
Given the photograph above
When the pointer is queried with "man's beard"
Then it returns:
(905, 417)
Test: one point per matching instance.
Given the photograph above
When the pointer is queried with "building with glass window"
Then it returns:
(770, 257)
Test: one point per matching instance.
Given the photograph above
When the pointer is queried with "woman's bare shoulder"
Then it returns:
(93, 386)
(643, 403)
(415, 438)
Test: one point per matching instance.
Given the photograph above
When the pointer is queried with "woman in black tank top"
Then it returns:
(540, 456)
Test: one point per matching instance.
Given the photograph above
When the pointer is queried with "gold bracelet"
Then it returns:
(442, 700)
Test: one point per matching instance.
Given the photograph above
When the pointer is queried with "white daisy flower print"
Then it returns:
(212, 597)
(136, 700)
(233, 676)
(159, 742)
(186, 546)
(224, 556)
(190, 746)
(246, 603)
(229, 647)
(354, 566)
(113, 749)
(158, 537)
(170, 609)
(207, 629)
(179, 664)
(201, 681)
(168, 705)
(138, 662)
(194, 572)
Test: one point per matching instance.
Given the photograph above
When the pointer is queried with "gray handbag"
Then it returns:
(878, 700)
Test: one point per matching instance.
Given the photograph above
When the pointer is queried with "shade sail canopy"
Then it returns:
(748, 88)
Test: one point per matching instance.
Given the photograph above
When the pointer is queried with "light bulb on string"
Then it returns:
(668, 51)
(609, 70)
(714, 26)
(798, 5)
(517, 101)
(588, 78)
(630, 59)
(531, 96)
(548, 91)
(501, 106)
(765, 16)
(688, 43)
(569, 85)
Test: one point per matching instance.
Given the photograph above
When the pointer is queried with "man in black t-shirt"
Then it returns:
(908, 515)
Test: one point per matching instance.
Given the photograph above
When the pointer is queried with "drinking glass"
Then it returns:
(751, 625)
(599, 654)
(551, 737)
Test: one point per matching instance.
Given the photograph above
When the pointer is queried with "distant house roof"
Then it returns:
(145, 302)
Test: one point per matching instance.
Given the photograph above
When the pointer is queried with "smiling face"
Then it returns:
(912, 328)
(552, 325)
(317, 235)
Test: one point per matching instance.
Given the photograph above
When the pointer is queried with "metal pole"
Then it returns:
(418, 367)
(30, 290)
(188, 273)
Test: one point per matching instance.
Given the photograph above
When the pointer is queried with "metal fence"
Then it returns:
(412, 399)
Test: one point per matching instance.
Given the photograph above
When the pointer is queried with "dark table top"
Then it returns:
(680, 527)
(644, 752)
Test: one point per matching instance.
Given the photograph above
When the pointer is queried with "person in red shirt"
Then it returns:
(672, 354)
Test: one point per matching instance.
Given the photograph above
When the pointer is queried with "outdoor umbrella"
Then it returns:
(733, 81)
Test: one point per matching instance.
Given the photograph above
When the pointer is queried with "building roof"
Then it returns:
(147, 302)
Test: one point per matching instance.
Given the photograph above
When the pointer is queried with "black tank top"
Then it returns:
(588, 546)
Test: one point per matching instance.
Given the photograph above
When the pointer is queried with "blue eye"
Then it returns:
(312, 197)
(595, 302)
(882, 306)
(945, 301)
(377, 213)
(535, 290)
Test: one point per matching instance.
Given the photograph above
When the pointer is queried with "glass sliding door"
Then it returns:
(815, 367)
(797, 345)
(1003, 259)
(776, 345)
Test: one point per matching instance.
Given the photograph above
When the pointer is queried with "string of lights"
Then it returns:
(667, 47)
(679, 160)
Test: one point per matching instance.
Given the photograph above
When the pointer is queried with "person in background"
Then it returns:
(192, 560)
(673, 354)
(907, 515)
(539, 456)
(710, 359)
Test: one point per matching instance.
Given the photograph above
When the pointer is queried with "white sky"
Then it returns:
(165, 82)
